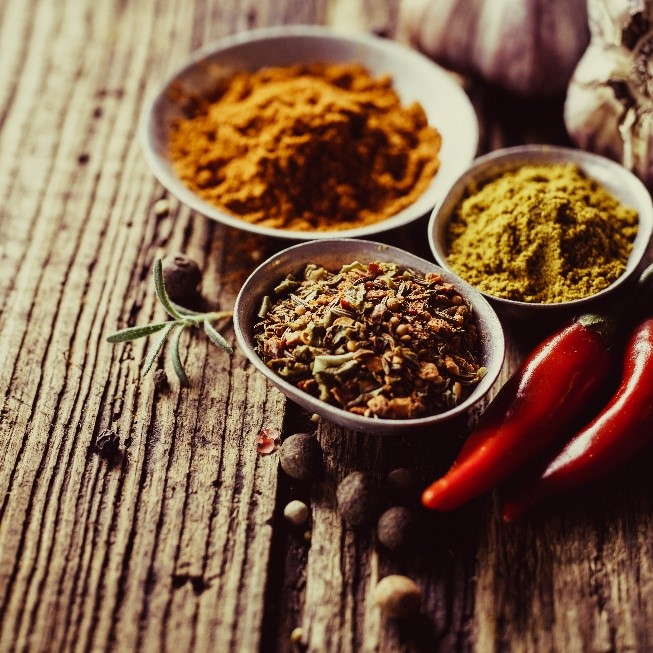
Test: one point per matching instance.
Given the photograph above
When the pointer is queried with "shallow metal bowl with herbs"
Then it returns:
(617, 180)
(333, 255)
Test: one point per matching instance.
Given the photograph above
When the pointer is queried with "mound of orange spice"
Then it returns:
(308, 147)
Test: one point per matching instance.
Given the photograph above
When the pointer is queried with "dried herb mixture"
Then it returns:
(372, 339)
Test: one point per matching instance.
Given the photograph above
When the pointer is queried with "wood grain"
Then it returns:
(180, 543)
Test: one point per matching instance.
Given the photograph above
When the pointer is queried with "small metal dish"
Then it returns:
(620, 182)
(333, 254)
(415, 78)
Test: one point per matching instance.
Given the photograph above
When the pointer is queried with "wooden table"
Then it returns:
(181, 544)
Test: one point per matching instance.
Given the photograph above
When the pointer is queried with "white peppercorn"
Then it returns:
(296, 512)
(161, 207)
(397, 596)
(297, 635)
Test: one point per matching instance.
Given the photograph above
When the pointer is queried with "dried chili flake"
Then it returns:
(375, 339)
(267, 441)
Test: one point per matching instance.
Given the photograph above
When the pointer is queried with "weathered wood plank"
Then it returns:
(181, 542)
(97, 541)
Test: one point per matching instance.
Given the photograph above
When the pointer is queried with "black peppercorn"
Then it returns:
(181, 276)
(396, 528)
(301, 458)
(357, 498)
(161, 383)
(108, 443)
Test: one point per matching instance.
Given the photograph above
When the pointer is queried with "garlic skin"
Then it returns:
(609, 104)
(529, 47)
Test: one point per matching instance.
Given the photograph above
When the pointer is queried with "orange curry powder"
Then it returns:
(312, 148)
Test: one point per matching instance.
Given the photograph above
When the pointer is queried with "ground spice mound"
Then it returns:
(543, 234)
(315, 147)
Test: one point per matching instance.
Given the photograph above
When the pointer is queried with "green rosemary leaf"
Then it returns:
(176, 359)
(183, 317)
(161, 292)
(216, 338)
(215, 315)
(182, 310)
(156, 347)
(133, 333)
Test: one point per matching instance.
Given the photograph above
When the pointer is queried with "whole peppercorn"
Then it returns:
(161, 383)
(108, 443)
(394, 303)
(403, 486)
(356, 497)
(301, 458)
(397, 596)
(396, 528)
(296, 512)
(181, 276)
(297, 635)
(161, 207)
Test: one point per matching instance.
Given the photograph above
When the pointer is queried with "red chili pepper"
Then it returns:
(621, 430)
(537, 405)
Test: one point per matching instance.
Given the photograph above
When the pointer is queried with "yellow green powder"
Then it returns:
(543, 234)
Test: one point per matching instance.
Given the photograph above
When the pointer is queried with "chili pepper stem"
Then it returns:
(604, 325)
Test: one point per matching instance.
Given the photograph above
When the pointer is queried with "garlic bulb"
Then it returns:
(527, 46)
(609, 104)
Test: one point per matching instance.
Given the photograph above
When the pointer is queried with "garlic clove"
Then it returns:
(609, 103)
(603, 65)
(527, 46)
(592, 116)
(421, 24)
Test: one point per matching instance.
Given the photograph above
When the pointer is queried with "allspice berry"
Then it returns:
(181, 276)
(396, 528)
(357, 498)
(301, 457)
(403, 486)
(397, 596)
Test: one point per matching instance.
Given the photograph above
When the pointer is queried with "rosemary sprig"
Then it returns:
(182, 318)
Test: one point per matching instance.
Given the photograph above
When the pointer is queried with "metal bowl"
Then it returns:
(621, 183)
(332, 255)
(415, 78)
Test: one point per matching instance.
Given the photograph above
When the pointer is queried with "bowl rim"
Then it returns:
(251, 291)
(517, 156)
(422, 206)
